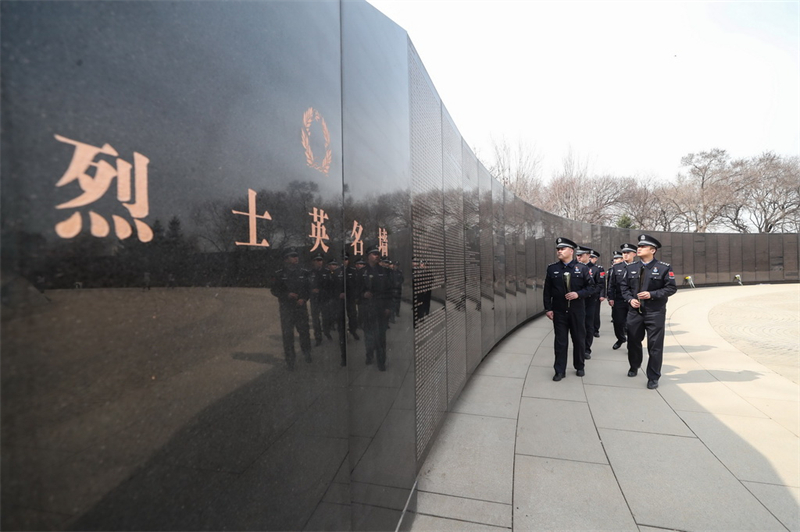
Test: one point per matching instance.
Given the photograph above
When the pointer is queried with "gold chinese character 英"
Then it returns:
(318, 231)
(95, 187)
(252, 217)
(383, 242)
(358, 244)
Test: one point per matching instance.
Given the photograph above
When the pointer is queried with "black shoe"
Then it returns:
(633, 372)
(587, 356)
(558, 376)
(616, 345)
(652, 385)
(580, 373)
(597, 335)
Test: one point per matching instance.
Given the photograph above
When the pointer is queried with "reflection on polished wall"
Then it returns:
(172, 351)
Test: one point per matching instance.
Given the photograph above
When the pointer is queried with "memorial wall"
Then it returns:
(172, 353)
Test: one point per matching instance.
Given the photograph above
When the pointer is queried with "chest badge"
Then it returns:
(655, 271)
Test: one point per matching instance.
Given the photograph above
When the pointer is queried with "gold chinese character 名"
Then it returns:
(358, 244)
(383, 242)
(95, 187)
(318, 231)
(253, 216)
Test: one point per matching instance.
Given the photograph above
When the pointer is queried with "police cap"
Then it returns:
(594, 254)
(374, 251)
(562, 242)
(617, 254)
(647, 240)
(290, 252)
(581, 250)
(317, 257)
(628, 247)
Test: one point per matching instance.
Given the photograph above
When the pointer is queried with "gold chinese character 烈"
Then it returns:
(95, 187)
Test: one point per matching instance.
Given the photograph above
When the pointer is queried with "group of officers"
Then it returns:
(343, 298)
(637, 287)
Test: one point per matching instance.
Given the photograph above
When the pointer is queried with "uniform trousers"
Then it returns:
(352, 315)
(650, 321)
(597, 316)
(337, 314)
(294, 317)
(375, 323)
(591, 309)
(619, 315)
(569, 324)
(316, 314)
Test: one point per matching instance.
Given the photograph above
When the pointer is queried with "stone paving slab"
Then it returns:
(485, 395)
(612, 373)
(558, 429)
(462, 509)
(784, 503)
(640, 410)
(552, 494)
(431, 523)
(540, 384)
(503, 364)
(754, 449)
(677, 483)
(473, 457)
(707, 397)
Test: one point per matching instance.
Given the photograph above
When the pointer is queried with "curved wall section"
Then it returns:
(165, 365)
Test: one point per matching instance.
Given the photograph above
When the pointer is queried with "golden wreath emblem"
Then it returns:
(310, 116)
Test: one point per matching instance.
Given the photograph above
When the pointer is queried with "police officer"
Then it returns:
(594, 256)
(397, 288)
(592, 301)
(317, 282)
(376, 296)
(567, 285)
(353, 292)
(335, 291)
(646, 286)
(290, 285)
(619, 307)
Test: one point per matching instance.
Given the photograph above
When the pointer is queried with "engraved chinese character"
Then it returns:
(358, 244)
(95, 187)
(383, 242)
(253, 216)
(318, 231)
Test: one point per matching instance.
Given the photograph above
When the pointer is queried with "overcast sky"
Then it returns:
(631, 86)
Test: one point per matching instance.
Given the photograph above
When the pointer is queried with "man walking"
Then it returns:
(567, 285)
(595, 256)
(290, 285)
(592, 302)
(646, 287)
(619, 307)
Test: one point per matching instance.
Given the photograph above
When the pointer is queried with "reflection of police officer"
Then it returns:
(377, 300)
(317, 281)
(593, 301)
(290, 285)
(594, 256)
(397, 288)
(420, 281)
(567, 285)
(646, 287)
(336, 303)
(353, 293)
(619, 307)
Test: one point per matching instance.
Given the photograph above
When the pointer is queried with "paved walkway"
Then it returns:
(715, 447)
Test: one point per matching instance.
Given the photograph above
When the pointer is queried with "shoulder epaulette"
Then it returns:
(664, 263)
(552, 264)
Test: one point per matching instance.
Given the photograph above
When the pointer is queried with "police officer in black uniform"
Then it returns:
(595, 257)
(397, 288)
(567, 285)
(646, 286)
(353, 292)
(290, 285)
(619, 307)
(593, 301)
(376, 297)
(335, 291)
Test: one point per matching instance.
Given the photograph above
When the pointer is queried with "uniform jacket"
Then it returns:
(599, 275)
(290, 280)
(555, 288)
(614, 275)
(655, 277)
(379, 281)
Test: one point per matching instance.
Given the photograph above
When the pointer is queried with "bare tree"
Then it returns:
(518, 167)
(768, 195)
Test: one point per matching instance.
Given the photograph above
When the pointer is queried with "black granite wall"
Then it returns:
(164, 366)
